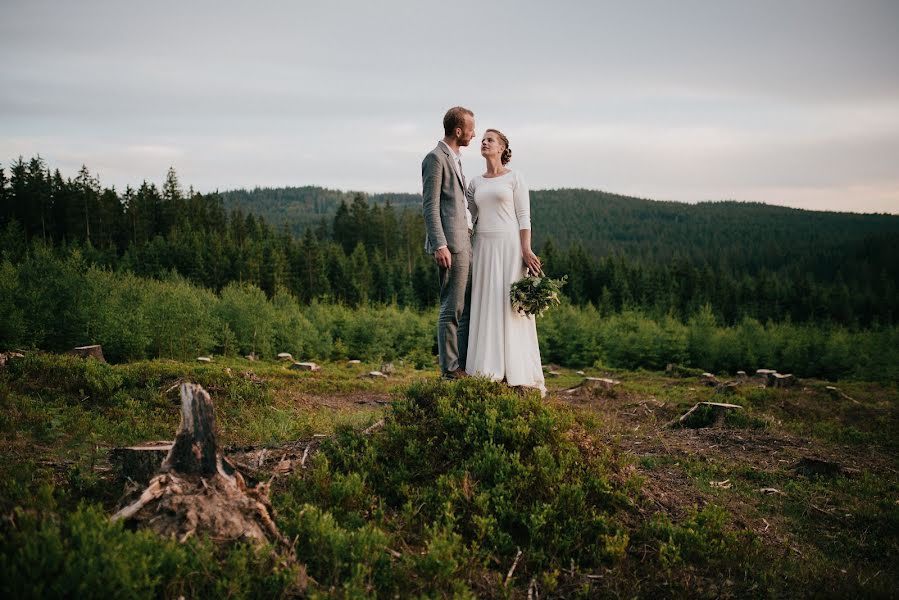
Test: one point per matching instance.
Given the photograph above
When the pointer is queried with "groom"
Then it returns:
(448, 224)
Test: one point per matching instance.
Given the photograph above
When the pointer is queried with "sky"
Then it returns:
(788, 102)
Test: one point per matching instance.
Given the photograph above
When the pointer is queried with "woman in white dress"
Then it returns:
(502, 343)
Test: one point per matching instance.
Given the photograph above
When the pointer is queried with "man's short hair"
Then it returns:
(455, 118)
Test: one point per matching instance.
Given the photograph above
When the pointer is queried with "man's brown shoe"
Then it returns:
(457, 374)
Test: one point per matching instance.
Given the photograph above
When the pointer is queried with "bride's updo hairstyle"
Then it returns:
(506, 156)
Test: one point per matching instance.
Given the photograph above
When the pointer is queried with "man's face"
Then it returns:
(466, 134)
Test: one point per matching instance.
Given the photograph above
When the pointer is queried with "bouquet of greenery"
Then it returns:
(533, 294)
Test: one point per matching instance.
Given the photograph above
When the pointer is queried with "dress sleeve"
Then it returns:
(469, 198)
(521, 200)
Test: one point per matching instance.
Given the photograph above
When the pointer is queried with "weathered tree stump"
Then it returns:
(811, 466)
(140, 463)
(783, 381)
(373, 375)
(95, 351)
(593, 383)
(708, 379)
(305, 366)
(727, 387)
(719, 413)
(764, 376)
(196, 491)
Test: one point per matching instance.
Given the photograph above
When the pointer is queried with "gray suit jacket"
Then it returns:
(443, 203)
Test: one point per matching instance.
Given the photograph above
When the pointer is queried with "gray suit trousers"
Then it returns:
(455, 304)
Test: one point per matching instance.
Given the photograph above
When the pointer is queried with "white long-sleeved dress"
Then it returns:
(502, 343)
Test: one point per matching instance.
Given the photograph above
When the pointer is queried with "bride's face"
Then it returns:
(491, 145)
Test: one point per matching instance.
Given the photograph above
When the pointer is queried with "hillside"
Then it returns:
(466, 490)
(740, 235)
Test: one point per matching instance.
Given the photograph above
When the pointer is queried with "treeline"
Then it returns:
(661, 258)
(365, 254)
(56, 303)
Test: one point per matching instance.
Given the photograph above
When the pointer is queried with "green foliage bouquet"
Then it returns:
(534, 294)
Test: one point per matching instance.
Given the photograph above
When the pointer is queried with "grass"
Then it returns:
(602, 498)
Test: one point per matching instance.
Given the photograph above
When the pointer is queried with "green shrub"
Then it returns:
(472, 471)
(700, 539)
(87, 378)
(83, 555)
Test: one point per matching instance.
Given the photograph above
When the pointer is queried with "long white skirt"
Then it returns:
(502, 343)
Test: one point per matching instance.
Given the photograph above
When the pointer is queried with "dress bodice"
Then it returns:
(502, 203)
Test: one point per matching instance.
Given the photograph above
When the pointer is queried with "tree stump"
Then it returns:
(783, 381)
(708, 379)
(197, 492)
(719, 412)
(305, 366)
(140, 463)
(764, 376)
(95, 351)
(593, 383)
(373, 375)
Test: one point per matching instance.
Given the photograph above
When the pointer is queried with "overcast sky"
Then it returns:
(786, 102)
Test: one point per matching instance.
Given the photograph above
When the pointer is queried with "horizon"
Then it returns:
(787, 105)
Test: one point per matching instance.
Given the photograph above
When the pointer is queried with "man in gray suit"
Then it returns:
(448, 225)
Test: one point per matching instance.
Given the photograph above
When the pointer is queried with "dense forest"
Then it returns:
(663, 258)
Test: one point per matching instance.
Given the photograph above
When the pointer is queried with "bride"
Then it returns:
(502, 343)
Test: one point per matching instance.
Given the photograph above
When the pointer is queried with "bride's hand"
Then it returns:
(531, 261)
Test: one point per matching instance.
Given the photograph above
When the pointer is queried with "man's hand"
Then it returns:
(443, 257)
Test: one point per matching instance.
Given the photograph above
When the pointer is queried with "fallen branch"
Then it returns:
(512, 569)
(719, 410)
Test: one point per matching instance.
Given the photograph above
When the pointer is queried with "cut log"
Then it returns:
(195, 493)
(140, 463)
(352, 362)
(285, 356)
(95, 351)
(204, 359)
(719, 412)
(305, 366)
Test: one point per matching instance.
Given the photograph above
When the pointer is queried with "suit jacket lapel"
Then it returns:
(452, 161)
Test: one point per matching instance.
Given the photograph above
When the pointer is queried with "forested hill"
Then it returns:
(741, 260)
(739, 235)
(302, 208)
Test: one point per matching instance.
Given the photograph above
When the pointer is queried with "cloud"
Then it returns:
(689, 100)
